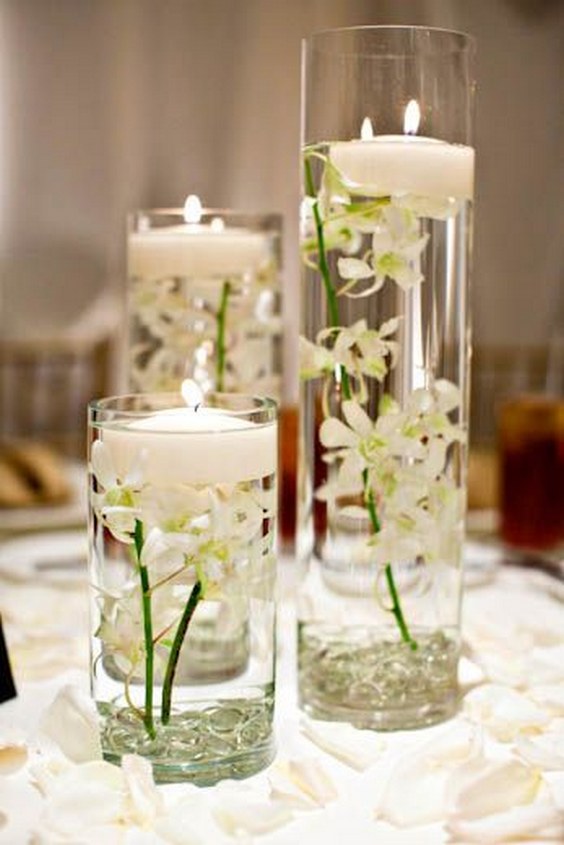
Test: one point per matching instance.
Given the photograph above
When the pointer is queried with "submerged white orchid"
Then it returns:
(187, 327)
(116, 504)
(397, 474)
(186, 543)
(397, 244)
(400, 461)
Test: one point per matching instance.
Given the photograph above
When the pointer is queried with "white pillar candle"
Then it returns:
(397, 164)
(196, 249)
(189, 446)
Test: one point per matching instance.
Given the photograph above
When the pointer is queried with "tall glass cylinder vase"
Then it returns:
(182, 570)
(384, 352)
(204, 300)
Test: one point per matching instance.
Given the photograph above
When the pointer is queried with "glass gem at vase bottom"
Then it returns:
(182, 571)
(204, 300)
(387, 168)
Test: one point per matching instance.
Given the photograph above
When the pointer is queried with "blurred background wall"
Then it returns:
(111, 105)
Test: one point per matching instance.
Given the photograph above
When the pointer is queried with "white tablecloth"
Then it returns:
(514, 636)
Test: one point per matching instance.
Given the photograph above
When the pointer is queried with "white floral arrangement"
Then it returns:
(187, 543)
(391, 471)
(224, 345)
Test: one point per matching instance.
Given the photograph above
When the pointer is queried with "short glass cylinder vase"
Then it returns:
(384, 352)
(182, 577)
(204, 300)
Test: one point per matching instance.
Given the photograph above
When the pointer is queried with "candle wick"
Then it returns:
(196, 406)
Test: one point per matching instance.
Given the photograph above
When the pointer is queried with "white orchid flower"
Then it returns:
(117, 504)
(363, 351)
(400, 458)
(314, 360)
(121, 629)
(397, 244)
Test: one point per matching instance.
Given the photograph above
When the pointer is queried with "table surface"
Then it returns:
(347, 785)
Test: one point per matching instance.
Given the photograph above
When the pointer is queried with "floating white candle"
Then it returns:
(196, 249)
(397, 164)
(193, 446)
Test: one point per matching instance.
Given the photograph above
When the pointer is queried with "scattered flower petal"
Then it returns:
(13, 756)
(303, 783)
(238, 815)
(545, 751)
(356, 748)
(144, 799)
(71, 721)
(504, 712)
(482, 787)
(423, 776)
(542, 822)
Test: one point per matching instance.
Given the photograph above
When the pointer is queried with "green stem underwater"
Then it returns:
(397, 611)
(332, 305)
(187, 614)
(221, 317)
(392, 589)
(147, 631)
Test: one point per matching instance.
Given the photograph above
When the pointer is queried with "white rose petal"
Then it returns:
(423, 776)
(542, 822)
(239, 814)
(72, 722)
(551, 697)
(356, 748)
(546, 665)
(482, 787)
(302, 782)
(505, 712)
(146, 802)
(189, 820)
(85, 796)
(13, 755)
(545, 751)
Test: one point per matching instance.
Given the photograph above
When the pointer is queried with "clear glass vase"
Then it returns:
(204, 300)
(384, 353)
(182, 572)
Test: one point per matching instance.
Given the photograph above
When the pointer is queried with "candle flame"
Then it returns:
(366, 130)
(191, 393)
(412, 118)
(217, 224)
(192, 209)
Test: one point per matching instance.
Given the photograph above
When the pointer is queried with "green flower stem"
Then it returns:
(221, 315)
(397, 611)
(332, 304)
(147, 630)
(394, 595)
(187, 614)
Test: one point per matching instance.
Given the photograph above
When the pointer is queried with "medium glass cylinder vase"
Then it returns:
(384, 351)
(204, 300)
(182, 571)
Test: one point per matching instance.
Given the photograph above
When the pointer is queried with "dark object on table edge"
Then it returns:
(7, 686)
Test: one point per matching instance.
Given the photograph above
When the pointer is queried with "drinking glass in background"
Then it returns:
(530, 426)
(44, 387)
